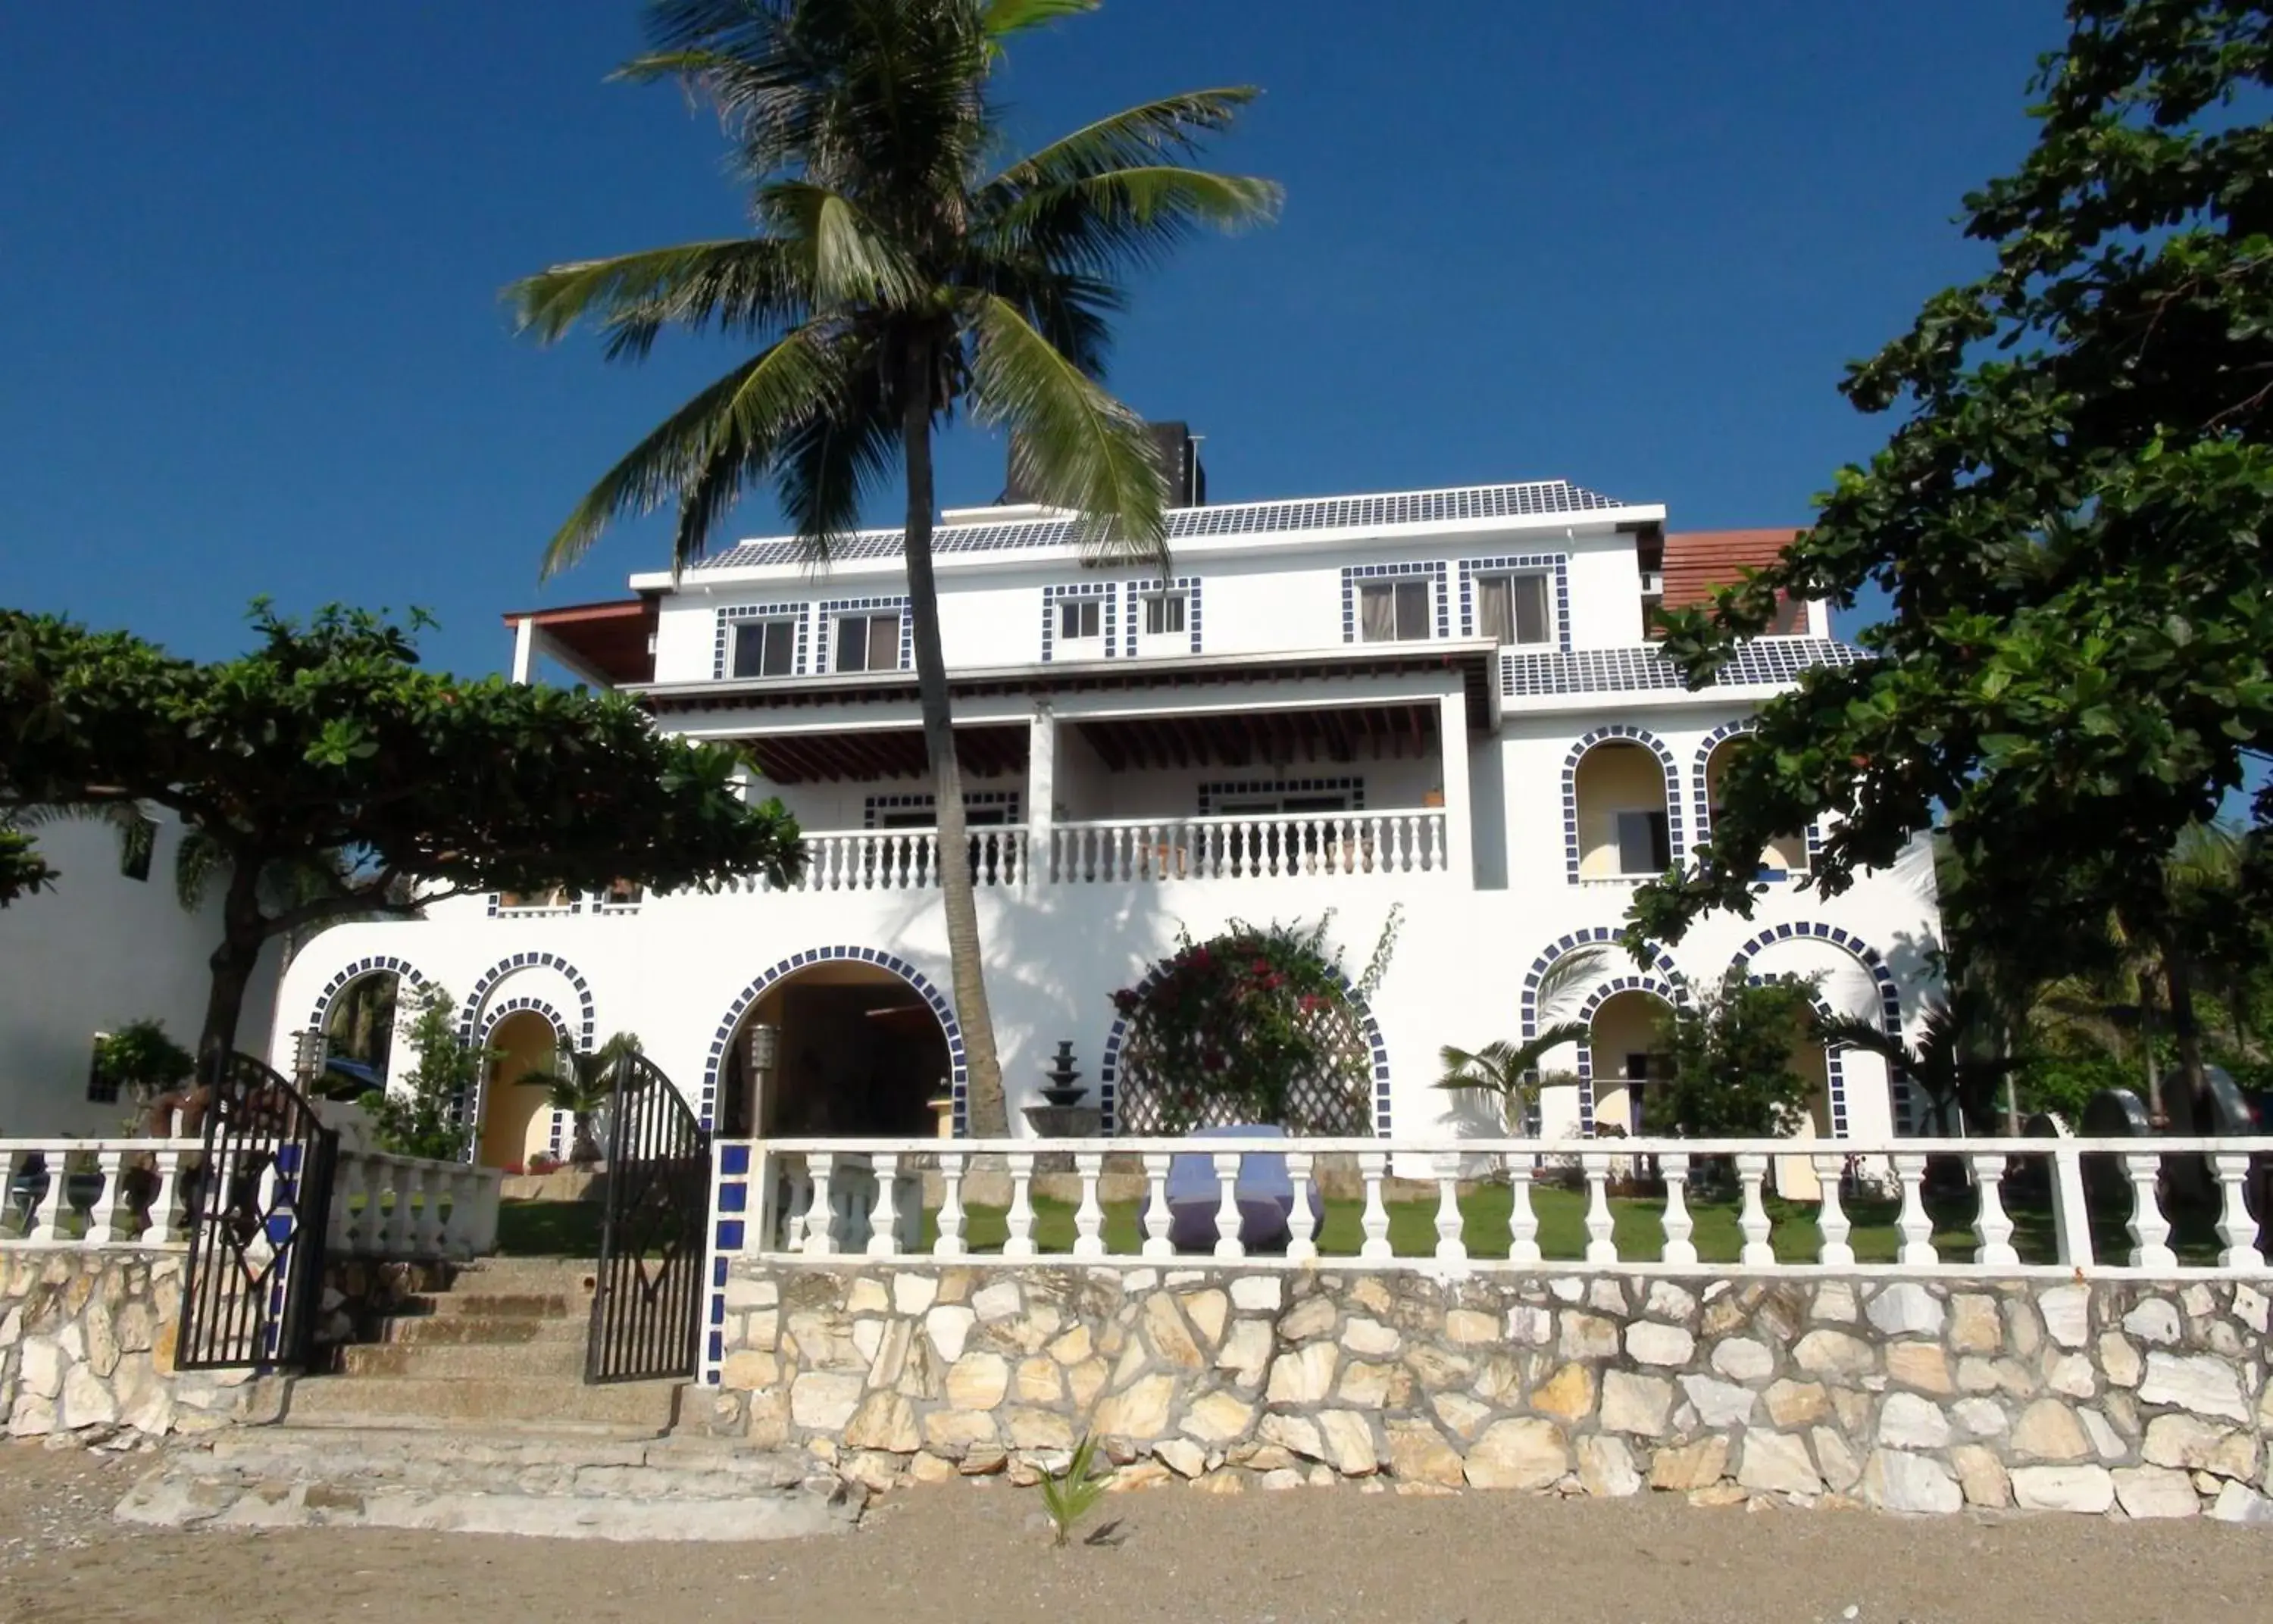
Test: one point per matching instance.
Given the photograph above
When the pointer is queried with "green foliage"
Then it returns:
(582, 1085)
(329, 738)
(1507, 1074)
(1730, 1054)
(423, 1117)
(2064, 1082)
(1246, 1019)
(22, 871)
(1962, 1081)
(1070, 1496)
(140, 1061)
(2068, 521)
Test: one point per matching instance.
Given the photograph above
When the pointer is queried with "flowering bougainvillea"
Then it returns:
(1253, 1026)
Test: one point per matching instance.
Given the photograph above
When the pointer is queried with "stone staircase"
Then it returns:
(469, 1412)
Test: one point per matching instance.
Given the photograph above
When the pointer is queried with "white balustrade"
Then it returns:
(401, 1208)
(1279, 845)
(868, 1198)
(92, 1192)
(901, 860)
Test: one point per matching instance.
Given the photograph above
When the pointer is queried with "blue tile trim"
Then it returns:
(1674, 991)
(584, 1035)
(959, 1079)
(1701, 791)
(1555, 564)
(1109, 596)
(825, 627)
(1139, 590)
(375, 965)
(1109, 1067)
(1355, 574)
(1615, 732)
(721, 647)
(557, 1131)
(1593, 936)
(1890, 998)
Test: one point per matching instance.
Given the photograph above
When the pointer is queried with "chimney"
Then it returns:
(1174, 446)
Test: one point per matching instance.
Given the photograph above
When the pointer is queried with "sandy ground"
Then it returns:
(959, 1554)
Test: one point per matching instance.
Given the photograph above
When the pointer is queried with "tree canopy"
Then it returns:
(2067, 523)
(381, 786)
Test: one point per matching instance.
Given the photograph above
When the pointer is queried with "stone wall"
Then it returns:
(2140, 1398)
(87, 1345)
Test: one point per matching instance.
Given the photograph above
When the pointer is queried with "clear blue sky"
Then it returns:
(250, 340)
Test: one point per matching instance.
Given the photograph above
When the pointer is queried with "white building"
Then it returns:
(1443, 700)
(109, 943)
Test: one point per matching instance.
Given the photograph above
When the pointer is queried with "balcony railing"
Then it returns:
(1282, 845)
(903, 860)
(906, 1199)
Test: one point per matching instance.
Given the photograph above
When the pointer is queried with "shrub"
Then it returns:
(422, 1119)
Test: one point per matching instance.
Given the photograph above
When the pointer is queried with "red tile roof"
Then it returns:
(1700, 560)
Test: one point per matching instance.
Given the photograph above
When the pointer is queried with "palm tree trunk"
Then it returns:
(988, 1115)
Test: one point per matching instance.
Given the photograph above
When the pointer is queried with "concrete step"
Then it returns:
(430, 1331)
(491, 1481)
(418, 1401)
(494, 1305)
(551, 1359)
(529, 1274)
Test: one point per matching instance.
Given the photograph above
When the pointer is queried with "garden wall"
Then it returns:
(86, 1342)
(2142, 1398)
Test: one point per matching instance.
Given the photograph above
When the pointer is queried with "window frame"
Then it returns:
(869, 618)
(1423, 587)
(1542, 580)
(768, 628)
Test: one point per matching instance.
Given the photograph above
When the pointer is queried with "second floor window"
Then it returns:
(1645, 843)
(1393, 611)
(1080, 620)
(1513, 609)
(1164, 614)
(764, 648)
(868, 642)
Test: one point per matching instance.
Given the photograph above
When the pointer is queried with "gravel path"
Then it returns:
(967, 1556)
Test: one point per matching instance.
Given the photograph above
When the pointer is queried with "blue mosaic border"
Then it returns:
(825, 616)
(497, 972)
(1674, 991)
(491, 1018)
(1357, 573)
(1109, 1067)
(960, 1077)
(372, 966)
(1890, 998)
(730, 1210)
(1139, 590)
(1617, 732)
(723, 635)
(1592, 936)
(1109, 625)
(1701, 795)
(1557, 564)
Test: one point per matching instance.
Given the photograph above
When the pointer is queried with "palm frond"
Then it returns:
(1565, 976)
(1118, 219)
(197, 861)
(1073, 445)
(1173, 126)
(847, 261)
(1004, 18)
(746, 286)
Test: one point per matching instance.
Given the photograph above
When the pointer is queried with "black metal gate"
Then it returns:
(647, 1304)
(259, 1203)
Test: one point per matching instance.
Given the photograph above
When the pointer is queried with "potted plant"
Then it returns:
(582, 1085)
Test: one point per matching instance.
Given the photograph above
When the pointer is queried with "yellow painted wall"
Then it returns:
(1625, 1024)
(1794, 1175)
(516, 1123)
(1613, 778)
(1787, 852)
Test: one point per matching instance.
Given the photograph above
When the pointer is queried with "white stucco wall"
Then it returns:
(98, 951)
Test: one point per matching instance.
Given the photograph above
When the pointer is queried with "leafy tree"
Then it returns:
(1949, 1062)
(894, 276)
(2067, 523)
(423, 1116)
(582, 1085)
(22, 870)
(1730, 1053)
(141, 1061)
(329, 739)
(1507, 1074)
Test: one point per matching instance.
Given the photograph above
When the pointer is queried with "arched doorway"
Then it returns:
(1625, 1053)
(516, 1123)
(1787, 854)
(849, 1048)
(1623, 823)
(359, 1023)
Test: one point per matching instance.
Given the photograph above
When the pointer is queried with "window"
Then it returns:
(136, 847)
(622, 893)
(1645, 843)
(1513, 609)
(533, 901)
(868, 642)
(765, 648)
(1079, 620)
(1164, 614)
(1393, 611)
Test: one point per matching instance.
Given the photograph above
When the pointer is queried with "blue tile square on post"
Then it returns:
(734, 1159)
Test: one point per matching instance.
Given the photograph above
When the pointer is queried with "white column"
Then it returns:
(1460, 808)
(1041, 789)
(524, 650)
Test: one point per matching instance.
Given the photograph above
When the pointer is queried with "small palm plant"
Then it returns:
(582, 1085)
(1508, 1074)
(1069, 1496)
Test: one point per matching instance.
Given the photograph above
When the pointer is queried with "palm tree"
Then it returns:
(582, 1085)
(1508, 1074)
(1946, 1062)
(893, 276)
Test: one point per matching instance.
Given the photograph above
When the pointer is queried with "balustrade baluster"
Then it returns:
(1992, 1229)
(45, 1222)
(167, 1225)
(1911, 1223)
(2071, 1213)
(395, 1237)
(1434, 859)
(2235, 1227)
(1399, 860)
(1753, 1218)
(428, 1234)
(1088, 1216)
(347, 1190)
(103, 1215)
(1451, 1248)
(949, 1243)
(820, 1216)
(1602, 1244)
(1156, 1220)
(1372, 1165)
(1227, 1243)
(1522, 1221)
(796, 1207)
(1832, 1218)
(1021, 1241)
(883, 1218)
(2151, 1230)
(1678, 1248)
(1301, 1223)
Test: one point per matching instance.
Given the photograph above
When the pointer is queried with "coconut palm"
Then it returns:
(893, 275)
(1508, 1074)
(582, 1085)
(1952, 1063)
